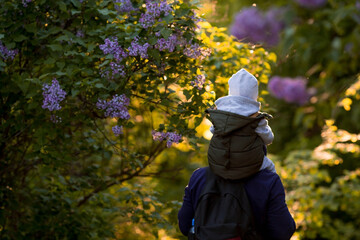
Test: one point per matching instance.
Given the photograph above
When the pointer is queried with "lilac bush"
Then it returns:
(53, 95)
(6, 53)
(116, 107)
(170, 137)
(311, 3)
(254, 26)
(292, 90)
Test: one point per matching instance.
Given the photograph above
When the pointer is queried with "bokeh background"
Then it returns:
(67, 173)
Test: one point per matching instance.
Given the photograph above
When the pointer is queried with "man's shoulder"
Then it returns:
(265, 182)
(198, 174)
(264, 176)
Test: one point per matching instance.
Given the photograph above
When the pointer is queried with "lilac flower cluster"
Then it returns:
(311, 3)
(25, 2)
(111, 46)
(116, 107)
(5, 53)
(55, 119)
(198, 82)
(53, 95)
(256, 27)
(117, 130)
(125, 6)
(195, 51)
(80, 34)
(169, 44)
(289, 89)
(115, 70)
(170, 137)
(153, 11)
(138, 50)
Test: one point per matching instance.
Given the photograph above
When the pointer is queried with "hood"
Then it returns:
(238, 104)
(226, 122)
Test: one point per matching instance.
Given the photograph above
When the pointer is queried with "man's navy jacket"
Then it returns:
(267, 199)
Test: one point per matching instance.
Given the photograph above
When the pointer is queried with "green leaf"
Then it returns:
(154, 53)
(187, 94)
(152, 40)
(168, 18)
(100, 85)
(55, 47)
(62, 6)
(31, 27)
(106, 12)
(76, 3)
(165, 32)
(60, 65)
(19, 38)
(74, 92)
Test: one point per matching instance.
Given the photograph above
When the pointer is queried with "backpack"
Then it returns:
(223, 211)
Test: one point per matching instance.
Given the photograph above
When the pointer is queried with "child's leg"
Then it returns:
(268, 164)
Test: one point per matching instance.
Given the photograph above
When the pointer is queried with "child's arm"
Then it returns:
(264, 131)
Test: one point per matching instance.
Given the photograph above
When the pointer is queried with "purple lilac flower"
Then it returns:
(195, 51)
(125, 6)
(274, 26)
(25, 2)
(115, 70)
(170, 137)
(55, 119)
(169, 44)
(116, 107)
(5, 53)
(138, 50)
(153, 11)
(256, 27)
(117, 130)
(80, 34)
(111, 46)
(53, 95)
(198, 82)
(292, 90)
(311, 3)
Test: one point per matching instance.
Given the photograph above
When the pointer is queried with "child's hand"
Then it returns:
(255, 115)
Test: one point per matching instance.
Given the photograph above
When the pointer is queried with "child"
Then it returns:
(240, 105)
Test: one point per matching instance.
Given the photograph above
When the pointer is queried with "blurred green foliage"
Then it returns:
(316, 147)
